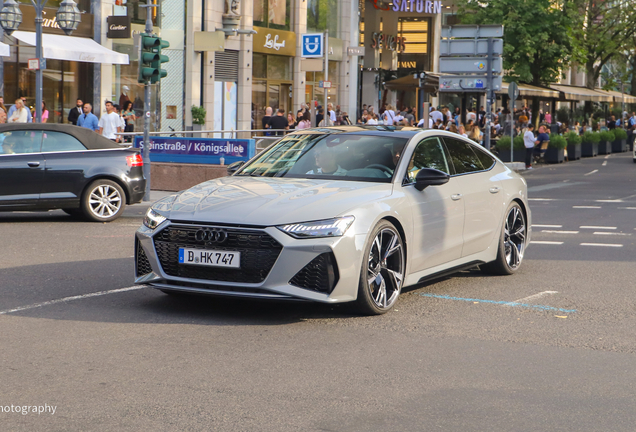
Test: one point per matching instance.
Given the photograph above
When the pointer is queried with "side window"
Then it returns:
(429, 153)
(20, 141)
(59, 142)
(486, 160)
(463, 157)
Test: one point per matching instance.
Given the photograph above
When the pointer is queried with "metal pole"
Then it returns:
(38, 53)
(489, 94)
(622, 105)
(146, 149)
(326, 76)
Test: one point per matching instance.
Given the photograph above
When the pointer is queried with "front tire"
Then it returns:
(383, 269)
(512, 243)
(103, 201)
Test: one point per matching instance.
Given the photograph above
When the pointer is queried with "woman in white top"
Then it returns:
(389, 115)
(20, 113)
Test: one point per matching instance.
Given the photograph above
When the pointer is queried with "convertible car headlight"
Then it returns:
(335, 227)
(153, 219)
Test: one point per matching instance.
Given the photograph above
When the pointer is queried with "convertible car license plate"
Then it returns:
(214, 258)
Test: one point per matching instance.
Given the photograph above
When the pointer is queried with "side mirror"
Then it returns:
(430, 177)
(234, 166)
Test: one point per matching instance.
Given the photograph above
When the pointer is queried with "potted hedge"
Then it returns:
(518, 149)
(619, 144)
(198, 119)
(605, 143)
(555, 153)
(589, 144)
(574, 145)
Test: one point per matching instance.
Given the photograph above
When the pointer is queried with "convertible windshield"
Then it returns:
(334, 156)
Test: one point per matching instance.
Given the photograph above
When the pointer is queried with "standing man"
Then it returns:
(110, 123)
(332, 113)
(88, 119)
(279, 122)
(75, 112)
(529, 142)
(436, 115)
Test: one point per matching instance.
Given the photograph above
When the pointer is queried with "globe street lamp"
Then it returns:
(68, 18)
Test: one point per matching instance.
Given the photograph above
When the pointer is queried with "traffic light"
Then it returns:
(148, 55)
(160, 58)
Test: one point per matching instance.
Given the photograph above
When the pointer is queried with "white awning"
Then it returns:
(5, 50)
(60, 47)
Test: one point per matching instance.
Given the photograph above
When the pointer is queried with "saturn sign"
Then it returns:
(312, 45)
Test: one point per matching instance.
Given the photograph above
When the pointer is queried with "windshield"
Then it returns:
(335, 157)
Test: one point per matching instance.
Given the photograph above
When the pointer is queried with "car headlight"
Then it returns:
(335, 227)
(153, 219)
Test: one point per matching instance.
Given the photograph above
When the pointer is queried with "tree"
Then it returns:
(537, 35)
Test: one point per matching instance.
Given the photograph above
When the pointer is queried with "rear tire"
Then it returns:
(512, 243)
(103, 201)
(382, 272)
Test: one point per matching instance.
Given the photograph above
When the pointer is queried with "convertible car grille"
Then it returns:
(143, 265)
(321, 274)
(259, 251)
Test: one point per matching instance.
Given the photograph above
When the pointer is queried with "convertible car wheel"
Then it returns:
(382, 272)
(512, 243)
(103, 201)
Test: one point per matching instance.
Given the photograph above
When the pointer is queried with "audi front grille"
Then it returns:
(259, 251)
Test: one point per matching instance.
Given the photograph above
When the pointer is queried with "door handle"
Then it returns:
(456, 197)
(494, 189)
(33, 164)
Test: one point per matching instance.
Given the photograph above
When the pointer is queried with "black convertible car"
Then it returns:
(55, 166)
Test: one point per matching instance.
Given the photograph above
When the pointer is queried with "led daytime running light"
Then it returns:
(323, 228)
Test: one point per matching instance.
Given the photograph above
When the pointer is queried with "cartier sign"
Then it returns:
(118, 27)
(272, 41)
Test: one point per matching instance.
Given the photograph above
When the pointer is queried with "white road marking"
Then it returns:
(541, 199)
(607, 157)
(591, 172)
(559, 232)
(610, 201)
(532, 297)
(596, 227)
(546, 242)
(604, 163)
(587, 207)
(611, 233)
(627, 208)
(602, 244)
(547, 226)
(72, 298)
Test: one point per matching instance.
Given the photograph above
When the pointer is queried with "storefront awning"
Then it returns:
(618, 97)
(71, 48)
(574, 93)
(531, 91)
(5, 50)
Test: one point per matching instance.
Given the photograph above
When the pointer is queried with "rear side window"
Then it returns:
(60, 142)
(20, 142)
(486, 160)
(463, 157)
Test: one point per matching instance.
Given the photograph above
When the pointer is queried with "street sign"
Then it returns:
(467, 83)
(312, 45)
(513, 91)
(469, 65)
(33, 64)
(472, 31)
(355, 51)
(469, 47)
(324, 84)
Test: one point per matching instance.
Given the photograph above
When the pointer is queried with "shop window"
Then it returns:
(323, 15)
(259, 65)
(272, 14)
(416, 36)
(278, 67)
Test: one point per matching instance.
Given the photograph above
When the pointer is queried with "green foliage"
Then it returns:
(607, 135)
(563, 115)
(557, 141)
(198, 114)
(620, 134)
(504, 143)
(537, 36)
(573, 138)
(591, 137)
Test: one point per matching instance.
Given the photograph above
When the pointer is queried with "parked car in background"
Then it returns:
(55, 166)
(338, 215)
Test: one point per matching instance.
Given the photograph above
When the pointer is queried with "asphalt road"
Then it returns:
(452, 356)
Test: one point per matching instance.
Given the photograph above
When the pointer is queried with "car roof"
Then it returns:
(92, 140)
(381, 130)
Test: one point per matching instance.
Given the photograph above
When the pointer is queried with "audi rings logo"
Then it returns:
(211, 235)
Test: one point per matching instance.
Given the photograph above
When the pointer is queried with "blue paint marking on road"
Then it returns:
(523, 305)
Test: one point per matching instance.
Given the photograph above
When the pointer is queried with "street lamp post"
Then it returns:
(68, 18)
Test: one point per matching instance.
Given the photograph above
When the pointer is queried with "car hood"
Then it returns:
(268, 201)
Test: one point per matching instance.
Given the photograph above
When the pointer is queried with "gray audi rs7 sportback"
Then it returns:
(341, 214)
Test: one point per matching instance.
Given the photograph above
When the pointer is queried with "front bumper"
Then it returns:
(299, 270)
